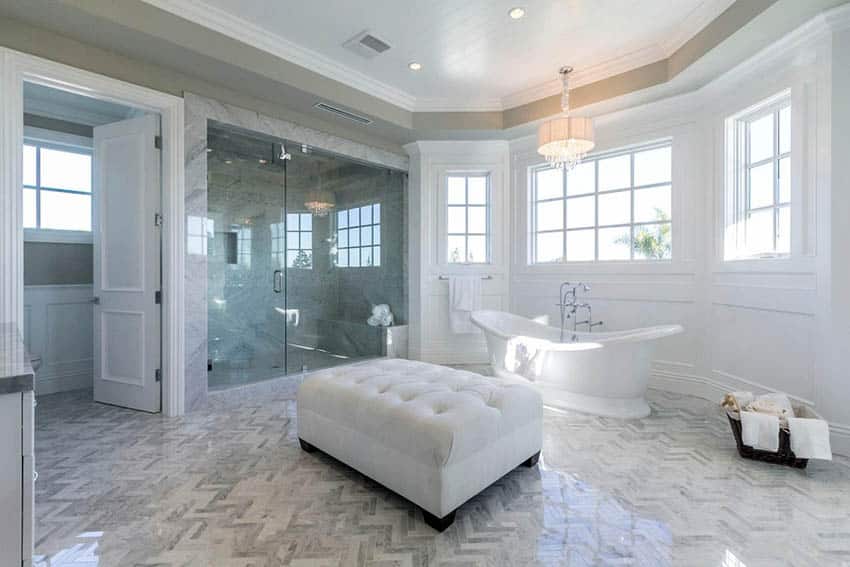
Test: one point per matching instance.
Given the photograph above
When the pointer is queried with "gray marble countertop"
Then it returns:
(16, 373)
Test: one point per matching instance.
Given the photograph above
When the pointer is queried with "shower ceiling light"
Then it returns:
(516, 13)
(319, 207)
(320, 202)
(565, 140)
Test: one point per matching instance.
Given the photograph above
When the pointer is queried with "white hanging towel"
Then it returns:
(760, 430)
(464, 298)
(809, 438)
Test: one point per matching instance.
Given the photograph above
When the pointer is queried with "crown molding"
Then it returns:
(807, 34)
(693, 23)
(580, 77)
(218, 20)
(453, 105)
(251, 34)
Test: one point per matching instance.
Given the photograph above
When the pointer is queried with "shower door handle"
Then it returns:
(277, 281)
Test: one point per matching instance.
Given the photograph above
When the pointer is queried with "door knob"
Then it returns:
(95, 300)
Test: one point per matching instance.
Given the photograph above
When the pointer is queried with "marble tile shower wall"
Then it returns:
(313, 290)
(364, 287)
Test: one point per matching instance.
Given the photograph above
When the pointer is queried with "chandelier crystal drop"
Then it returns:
(319, 201)
(565, 140)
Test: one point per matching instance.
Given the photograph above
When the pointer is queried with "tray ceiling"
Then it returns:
(474, 56)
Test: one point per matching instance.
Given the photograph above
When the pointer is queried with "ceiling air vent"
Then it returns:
(366, 45)
(342, 113)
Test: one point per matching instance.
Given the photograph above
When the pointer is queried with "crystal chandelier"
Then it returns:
(319, 202)
(319, 206)
(565, 140)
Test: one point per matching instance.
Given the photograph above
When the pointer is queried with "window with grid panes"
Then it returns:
(358, 236)
(468, 219)
(612, 206)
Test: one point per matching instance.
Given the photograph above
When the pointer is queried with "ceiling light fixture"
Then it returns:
(565, 140)
(516, 13)
(319, 201)
(415, 66)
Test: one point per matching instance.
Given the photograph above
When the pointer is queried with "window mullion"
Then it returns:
(38, 186)
(596, 210)
(564, 216)
(632, 207)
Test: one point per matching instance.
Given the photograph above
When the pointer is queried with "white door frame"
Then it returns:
(17, 67)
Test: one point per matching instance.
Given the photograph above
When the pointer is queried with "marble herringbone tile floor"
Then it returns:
(229, 486)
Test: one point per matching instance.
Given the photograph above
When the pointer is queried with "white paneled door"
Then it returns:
(127, 182)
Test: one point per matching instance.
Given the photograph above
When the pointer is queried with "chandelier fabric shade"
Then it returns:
(565, 140)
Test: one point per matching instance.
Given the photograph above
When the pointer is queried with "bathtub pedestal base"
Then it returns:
(623, 408)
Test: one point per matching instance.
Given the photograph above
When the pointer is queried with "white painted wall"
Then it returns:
(759, 325)
(431, 338)
(58, 326)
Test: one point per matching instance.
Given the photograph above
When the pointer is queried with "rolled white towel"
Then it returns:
(775, 403)
(809, 438)
(760, 430)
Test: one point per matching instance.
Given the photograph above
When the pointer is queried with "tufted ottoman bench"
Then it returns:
(435, 435)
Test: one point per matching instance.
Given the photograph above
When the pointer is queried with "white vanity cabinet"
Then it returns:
(16, 478)
(17, 463)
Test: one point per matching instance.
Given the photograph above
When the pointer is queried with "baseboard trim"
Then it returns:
(713, 389)
(63, 382)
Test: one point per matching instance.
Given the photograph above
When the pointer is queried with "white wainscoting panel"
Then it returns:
(58, 326)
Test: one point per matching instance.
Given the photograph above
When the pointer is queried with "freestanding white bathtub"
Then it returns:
(604, 373)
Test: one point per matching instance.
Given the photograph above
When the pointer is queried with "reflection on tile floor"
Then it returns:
(229, 486)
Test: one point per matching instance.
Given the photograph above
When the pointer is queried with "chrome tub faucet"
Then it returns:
(569, 306)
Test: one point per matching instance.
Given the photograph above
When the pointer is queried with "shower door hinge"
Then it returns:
(157, 297)
(158, 375)
(157, 142)
(157, 219)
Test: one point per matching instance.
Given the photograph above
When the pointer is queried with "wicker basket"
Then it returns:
(784, 456)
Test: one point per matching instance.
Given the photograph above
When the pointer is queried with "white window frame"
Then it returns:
(488, 254)
(376, 248)
(737, 179)
(41, 138)
(632, 225)
(289, 247)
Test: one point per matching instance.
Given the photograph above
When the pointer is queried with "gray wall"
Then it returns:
(48, 263)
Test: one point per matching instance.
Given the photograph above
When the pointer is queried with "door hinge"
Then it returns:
(157, 297)
(158, 374)
(157, 142)
(157, 219)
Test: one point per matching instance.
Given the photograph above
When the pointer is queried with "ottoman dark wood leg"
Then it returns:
(439, 524)
(306, 446)
(532, 460)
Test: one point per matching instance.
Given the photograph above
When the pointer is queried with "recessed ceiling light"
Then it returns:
(516, 13)
(415, 66)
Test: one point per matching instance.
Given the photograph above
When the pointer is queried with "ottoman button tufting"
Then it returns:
(436, 463)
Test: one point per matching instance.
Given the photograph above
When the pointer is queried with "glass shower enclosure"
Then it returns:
(302, 245)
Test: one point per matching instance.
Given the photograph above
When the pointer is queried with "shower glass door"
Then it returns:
(246, 257)
(302, 245)
(345, 235)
